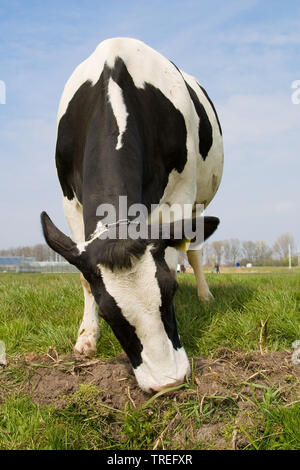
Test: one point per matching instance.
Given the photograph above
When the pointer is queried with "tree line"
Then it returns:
(40, 252)
(228, 252)
(258, 253)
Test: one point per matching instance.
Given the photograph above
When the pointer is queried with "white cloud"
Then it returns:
(285, 206)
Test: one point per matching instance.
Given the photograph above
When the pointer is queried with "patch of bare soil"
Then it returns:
(232, 377)
(49, 376)
(50, 379)
(234, 370)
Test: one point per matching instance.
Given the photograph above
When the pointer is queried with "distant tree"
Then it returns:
(227, 252)
(217, 251)
(249, 251)
(234, 250)
(208, 255)
(263, 253)
(281, 245)
(294, 261)
(41, 252)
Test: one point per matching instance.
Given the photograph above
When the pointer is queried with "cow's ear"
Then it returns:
(59, 242)
(207, 226)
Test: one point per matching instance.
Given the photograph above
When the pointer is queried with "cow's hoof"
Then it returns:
(86, 345)
(205, 296)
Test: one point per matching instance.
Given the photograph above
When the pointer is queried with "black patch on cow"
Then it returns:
(206, 95)
(156, 128)
(112, 314)
(212, 105)
(71, 138)
(154, 144)
(168, 286)
(116, 254)
(205, 129)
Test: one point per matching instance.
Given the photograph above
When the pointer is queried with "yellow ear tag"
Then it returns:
(184, 245)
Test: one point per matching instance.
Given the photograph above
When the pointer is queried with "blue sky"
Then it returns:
(245, 53)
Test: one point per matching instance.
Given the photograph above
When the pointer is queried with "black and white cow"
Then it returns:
(131, 123)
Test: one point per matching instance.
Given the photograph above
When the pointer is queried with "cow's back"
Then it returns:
(184, 164)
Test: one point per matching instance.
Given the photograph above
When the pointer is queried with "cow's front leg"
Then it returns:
(89, 329)
(195, 260)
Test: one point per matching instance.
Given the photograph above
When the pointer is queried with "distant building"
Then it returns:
(22, 264)
(14, 260)
(13, 264)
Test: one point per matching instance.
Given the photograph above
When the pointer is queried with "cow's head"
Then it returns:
(134, 290)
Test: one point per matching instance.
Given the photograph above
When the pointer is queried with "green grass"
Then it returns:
(26, 425)
(38, 311)
(233, 318)
(277, 427)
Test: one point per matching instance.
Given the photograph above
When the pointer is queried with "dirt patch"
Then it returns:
(236, 372)
(225, 385)
(50, 379)
(233, 375)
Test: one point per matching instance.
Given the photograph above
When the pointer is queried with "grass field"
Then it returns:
(243, 392)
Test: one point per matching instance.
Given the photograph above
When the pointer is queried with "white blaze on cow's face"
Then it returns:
(137, 293)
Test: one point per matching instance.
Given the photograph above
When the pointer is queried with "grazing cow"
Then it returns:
(130, 123)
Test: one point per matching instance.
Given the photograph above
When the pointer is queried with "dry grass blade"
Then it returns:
(111, 408)
(163, 432)
(263, 325)
(234, 440)
(201, 404)
(256, 373)
(87, 364)
(291, 404)
(130, 398)
(52, 353)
